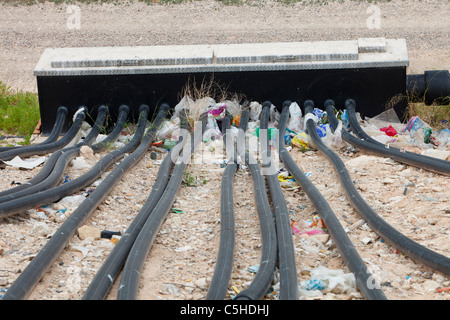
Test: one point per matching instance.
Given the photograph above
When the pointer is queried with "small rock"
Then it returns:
(85, 232)
(388, 181)
(323, 237)
(366, 240)
(430, 285)
(202, 283)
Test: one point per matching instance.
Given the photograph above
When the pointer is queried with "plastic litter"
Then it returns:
(310, 227)
(80, 163)
(71, 201)
(330, 280)
(295, 122)
(390, 131)
(300, 140)
(315, 284)
(27, 163)
(255, 110)
(253, 269)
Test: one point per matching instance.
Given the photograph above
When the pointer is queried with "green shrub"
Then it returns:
(19, 111)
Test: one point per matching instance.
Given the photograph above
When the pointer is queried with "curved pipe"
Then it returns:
(114, 134)
(395, 238)
(49, 147)
(47, 196)
(49, 164)
(286, 252)
(32, 274)
(410, 158)
(110, 269)
(99, 122)
(129, 281)
(263, 278)
(67, 155)
(364, 280)
(56, 131)
(222, 272)
(433, 86)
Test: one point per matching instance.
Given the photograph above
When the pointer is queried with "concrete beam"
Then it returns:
(361, 53)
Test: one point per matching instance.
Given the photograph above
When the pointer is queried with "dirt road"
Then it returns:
(25, 31)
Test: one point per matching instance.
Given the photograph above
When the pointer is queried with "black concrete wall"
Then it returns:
(373, 89)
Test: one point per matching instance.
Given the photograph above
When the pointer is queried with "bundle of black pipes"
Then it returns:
(390, 234)
(138, 146)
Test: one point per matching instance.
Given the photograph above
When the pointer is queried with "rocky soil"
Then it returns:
(182, 260)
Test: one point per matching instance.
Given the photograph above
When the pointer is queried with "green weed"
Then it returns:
(19, 112)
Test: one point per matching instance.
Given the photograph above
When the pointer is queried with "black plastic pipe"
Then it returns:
(404, 244)
(49, 164)
(49, 147)
(56, 130)
(96, 128)
(367, 142)
(48, 196)
(129, 281)
(259, 286)
(24, 284)
(364, 279)
(60, 166)
(115, 132)
(286, 252)
(433, 86)
(104, 279)
(224, 264)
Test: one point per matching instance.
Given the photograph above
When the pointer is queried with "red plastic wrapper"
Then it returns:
(390, 131)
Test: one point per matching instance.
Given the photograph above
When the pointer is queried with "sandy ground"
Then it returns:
(182, 260)
(25, 31)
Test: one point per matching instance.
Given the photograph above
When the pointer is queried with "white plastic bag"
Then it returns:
(255, 110)
(295, 120)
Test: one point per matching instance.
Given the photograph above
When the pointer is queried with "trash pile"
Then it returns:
(389, 130)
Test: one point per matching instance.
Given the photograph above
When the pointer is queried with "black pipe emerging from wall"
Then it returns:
(69, 154)
(364, 279)
(404, 244)
(432, 86)
(49, 147)
(129, 281)
(56, 130)
(219, 283)
(47, 196)
(51, 162)
(286, 252)
(269, 255)
(110, 269)
(28, 279)
(369, 144)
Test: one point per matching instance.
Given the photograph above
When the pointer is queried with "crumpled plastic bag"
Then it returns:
(212, 130)
(335, 280)
(255, 110)
(330, 138)
(169, 129)
(300, 141)
(295, 121)
(274, 116)
(390, 131)
(233, 107)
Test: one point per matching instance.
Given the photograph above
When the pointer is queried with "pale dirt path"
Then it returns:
(25, 31)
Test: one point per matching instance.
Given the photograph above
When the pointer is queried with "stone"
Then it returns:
(85, 232)
(430, 285)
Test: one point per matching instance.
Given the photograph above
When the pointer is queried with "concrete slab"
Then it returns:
(362, 53)
(366, 45)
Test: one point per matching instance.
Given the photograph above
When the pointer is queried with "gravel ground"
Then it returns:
(182, 260)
